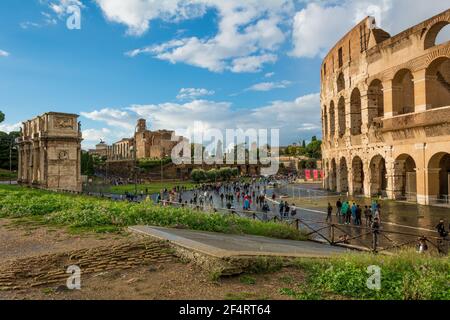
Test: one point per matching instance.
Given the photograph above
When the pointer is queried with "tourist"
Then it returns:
(342, 217)
(286, 210)
(441, 229)
(375, 232)
(293, 210)
(329, 212)
(354, 218)
(422, 246)
(368, 216)
(281, 206)
(358, 215)
(338, 207)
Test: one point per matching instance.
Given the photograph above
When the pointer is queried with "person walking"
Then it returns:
(375, 233)
(354, 209)
(441, 229)
(329, 212)
(338, 207)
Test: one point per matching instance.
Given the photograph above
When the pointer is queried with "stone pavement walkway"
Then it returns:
(224, 245)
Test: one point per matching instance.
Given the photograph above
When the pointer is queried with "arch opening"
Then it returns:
(343, 176)
(325, 121)
(439, 177)
(332, 120)
(341, 117)
(438, 83)
(405, 178)
(332, 177)
(378, 176)
(340, 82)
(403, 92)
(355, 112)
(358, 176)
(376, 101)
(438, 34)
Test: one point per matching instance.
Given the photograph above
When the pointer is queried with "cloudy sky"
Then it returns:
(227, 63)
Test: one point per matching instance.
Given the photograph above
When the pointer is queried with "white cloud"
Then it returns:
(194, 93)
(5, 127)
(267, 86)
(60, 7)
(249, 32)
(318, 26)
(113, 118)
(269, 75)
(95, 135)
(295, 119)
(4, 53)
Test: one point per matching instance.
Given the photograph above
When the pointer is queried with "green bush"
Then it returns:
(404, 276)
(87, 212)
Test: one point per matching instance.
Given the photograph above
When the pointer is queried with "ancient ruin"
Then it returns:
(386, 113)
(50, 152)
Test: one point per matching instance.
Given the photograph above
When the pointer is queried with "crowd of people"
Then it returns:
(352, 213)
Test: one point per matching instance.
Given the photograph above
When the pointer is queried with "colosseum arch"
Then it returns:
(405, 181)
(325, 121)
(378, 176)
(332, 177)
(341, 117)
(340, 82)
(438, 83)
(434, 32)
(403, 92)
(332, 119)
(358, 175)
(355, 112)
(343, 176)
(439, 176)
(376, 100)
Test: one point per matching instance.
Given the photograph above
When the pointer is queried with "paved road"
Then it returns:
(223, 245)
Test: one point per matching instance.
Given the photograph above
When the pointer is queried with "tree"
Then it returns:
(87, 164)
(198, 175)
(7, 148)
(2, 117)
(314, 149)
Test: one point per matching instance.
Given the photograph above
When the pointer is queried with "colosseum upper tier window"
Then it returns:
(340, 82)
(437, 34)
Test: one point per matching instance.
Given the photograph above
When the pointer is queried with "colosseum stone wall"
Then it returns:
(386, 113)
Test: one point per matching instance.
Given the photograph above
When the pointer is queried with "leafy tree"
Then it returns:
(87, 164)
(7, 144)
(198, 175)
(2, 117)
(314, 149)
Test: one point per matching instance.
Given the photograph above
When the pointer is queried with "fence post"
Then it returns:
(332, 234)
(297, 224)
(254, 216)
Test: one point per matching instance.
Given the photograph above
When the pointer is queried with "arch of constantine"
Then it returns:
(386, 112)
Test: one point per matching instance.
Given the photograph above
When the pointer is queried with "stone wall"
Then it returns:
(51, 269)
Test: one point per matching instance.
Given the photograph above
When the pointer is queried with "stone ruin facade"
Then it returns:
(145, 144)
(386, 113)
(50, 152)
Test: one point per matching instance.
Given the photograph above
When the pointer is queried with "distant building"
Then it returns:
(101, 150)
(50, 152)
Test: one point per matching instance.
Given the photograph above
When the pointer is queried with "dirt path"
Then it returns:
(28, 240)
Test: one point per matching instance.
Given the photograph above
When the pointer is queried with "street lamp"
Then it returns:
(11, 148)
(162, 171)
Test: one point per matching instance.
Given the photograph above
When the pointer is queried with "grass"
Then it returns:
(405, 276)
(152, 188)
(82, 213)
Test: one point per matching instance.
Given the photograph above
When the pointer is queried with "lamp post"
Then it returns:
(11, 148)
(162, 170)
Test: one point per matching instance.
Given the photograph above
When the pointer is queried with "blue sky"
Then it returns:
(225, 63)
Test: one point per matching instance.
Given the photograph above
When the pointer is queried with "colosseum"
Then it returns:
(386, 113)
